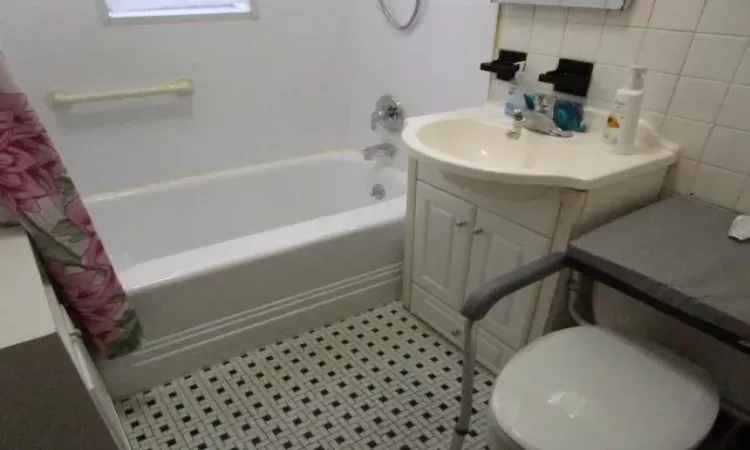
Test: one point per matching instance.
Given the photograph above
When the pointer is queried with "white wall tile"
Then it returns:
(636, 15)
(581, 41)
(680, 15)
(515, 33)
(685, 176)
(605, 81)
(664, 51)
(743, 204)
(726, 17)
(729, 149)
(714, 57)
(743, 72)
(619, 46)
(658, 91)
(546, 37)
(718, 186)
(554, 13)
(691, 136)
(535, 65)
(689, 92)
(697, 99)
(587, 15)
(653, 118)
(518, 11)
(498, 91)
(735, 112)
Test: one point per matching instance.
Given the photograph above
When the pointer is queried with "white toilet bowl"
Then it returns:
(587, 388)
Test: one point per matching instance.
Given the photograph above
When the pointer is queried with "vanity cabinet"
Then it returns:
(444, 226)
(498, 247)
(52, 394)
(462, 232)
(459, 246)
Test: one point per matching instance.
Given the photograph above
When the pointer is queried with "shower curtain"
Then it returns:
(37, 192)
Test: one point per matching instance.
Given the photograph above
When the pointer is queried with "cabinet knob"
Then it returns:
(462, 224)
(456, 333)
(478, 231)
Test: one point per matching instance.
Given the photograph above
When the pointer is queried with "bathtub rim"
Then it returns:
(173, 268)
(214, 258)
(194, 180)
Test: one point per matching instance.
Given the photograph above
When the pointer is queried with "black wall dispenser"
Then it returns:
(571, 77)
(504, 67)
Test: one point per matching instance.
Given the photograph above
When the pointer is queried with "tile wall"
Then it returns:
(698, 86)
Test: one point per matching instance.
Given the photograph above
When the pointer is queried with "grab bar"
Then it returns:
(61, 98)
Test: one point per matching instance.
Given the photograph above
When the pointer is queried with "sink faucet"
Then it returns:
(540, 119)
(379, 150)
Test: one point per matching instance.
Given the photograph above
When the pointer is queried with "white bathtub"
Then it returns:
(223, 263)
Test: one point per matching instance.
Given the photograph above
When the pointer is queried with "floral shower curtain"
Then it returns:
(36, 191)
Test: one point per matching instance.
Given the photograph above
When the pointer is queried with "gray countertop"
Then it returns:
(677, 252)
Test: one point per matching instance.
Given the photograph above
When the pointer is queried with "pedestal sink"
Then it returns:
(473, 143)
(481, 205)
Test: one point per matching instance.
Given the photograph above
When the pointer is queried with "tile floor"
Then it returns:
(379, 380)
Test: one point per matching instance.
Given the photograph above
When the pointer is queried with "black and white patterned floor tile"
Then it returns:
(379, 380)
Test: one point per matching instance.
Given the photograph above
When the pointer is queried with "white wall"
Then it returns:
(266, 89)
(302, 79)
(698, 88)
(432, 68)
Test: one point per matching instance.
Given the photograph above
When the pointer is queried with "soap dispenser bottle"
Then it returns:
(516, 90)
(622, 122)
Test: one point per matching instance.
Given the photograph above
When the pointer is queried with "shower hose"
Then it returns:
(392, 20)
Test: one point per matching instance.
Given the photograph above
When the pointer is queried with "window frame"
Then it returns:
(239, 10)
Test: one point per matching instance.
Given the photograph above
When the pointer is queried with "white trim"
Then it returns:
(164, 359)
(160, 5)
(240, 10)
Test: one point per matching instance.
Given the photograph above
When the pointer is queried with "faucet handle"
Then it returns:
(544, 102)
(518, 120)
(375, 118)
(389, 113)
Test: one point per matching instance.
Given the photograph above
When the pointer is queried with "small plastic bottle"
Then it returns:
(516, 89)
(622, 123)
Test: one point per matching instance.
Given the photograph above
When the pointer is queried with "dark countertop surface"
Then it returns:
(677, 252)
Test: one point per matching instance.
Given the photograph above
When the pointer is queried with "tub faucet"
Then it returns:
(540, 119)
(389, 113)
(379, 150)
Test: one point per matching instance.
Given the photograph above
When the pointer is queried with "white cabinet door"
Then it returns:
(499, 247)
(71, 339)
(442, 234)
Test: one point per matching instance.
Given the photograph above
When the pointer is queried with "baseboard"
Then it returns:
(164, 359)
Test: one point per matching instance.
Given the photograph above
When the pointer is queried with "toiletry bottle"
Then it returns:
(516, 89)
(568, 115)
(622, 123)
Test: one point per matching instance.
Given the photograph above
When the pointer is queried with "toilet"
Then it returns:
(587, 388)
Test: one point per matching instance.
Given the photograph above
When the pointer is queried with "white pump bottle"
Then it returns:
(622, 123)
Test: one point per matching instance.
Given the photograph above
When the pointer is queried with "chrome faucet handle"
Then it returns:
(376, 117)
(541, 119)
(379, 150)
(544, 103)
(389, 113)
(518, 124)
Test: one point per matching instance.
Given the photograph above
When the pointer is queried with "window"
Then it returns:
(124, 9)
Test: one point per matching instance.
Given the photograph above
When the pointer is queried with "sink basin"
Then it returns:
(474, 143)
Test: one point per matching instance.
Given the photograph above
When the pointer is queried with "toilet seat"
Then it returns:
(588, 388)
